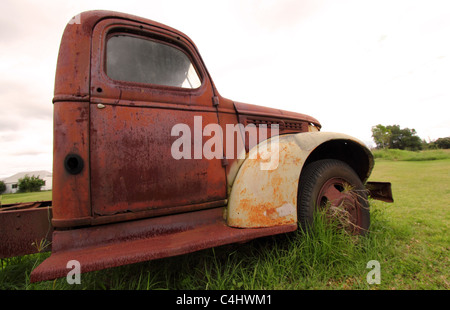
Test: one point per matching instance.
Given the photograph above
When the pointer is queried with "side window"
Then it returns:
(134, 59)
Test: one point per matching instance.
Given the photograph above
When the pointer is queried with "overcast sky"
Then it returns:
(351, 64)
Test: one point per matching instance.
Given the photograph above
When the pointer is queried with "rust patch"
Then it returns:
(262, 198)
(25, 229)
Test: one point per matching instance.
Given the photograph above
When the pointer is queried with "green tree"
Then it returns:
(394, 137)
(443, 143)
(30, 184)
(2, 187)
(404, 139)
(381, 136)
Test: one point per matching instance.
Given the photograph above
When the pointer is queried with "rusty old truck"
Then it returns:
(150, 161)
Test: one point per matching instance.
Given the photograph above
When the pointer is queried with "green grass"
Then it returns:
(25, 197)
(420, 218)
(403, 155)
(410, 239)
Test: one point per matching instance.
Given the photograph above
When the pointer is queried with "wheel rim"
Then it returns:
(340, 201)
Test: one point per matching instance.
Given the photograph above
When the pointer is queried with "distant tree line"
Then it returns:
(394, 137)
(441, 143)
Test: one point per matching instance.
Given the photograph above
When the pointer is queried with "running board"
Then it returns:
(114, 245)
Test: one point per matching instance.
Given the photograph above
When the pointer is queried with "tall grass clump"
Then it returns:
(325, 256)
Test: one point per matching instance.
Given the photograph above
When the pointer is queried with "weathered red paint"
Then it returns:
(343, 201)
(124, 243)
(120, 131)
(125, 145)
(25, 228)
(380, 191)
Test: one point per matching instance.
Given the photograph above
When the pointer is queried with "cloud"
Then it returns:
(25, 127)
(7, 126)
(351, 64)
(20, 103)
(28, 147)
(272, 15)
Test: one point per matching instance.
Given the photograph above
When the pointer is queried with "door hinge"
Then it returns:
(215, 101)
(224, 162)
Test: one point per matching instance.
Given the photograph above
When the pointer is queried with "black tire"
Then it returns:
(332, 185)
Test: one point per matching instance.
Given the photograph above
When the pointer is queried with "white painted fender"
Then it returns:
(264, 191)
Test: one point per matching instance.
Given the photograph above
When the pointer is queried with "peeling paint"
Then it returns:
(263, 198)
(286, 209)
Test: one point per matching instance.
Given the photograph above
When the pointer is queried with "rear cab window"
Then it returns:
(130, 58)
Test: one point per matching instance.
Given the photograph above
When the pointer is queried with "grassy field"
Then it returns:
(25, 197)
(403, 155)
(409, 238)
(418, 222)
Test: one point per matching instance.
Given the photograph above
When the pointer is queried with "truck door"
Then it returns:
(145, 79)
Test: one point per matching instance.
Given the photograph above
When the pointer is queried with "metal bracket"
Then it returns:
(215, 101)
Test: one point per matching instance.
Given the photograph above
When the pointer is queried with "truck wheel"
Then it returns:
(333, 186)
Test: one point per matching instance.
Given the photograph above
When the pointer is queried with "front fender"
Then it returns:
(264, 191)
